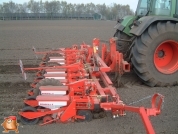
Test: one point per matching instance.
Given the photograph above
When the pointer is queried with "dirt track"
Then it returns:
(16, 41)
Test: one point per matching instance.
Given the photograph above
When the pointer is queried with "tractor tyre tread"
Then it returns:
(143, 52)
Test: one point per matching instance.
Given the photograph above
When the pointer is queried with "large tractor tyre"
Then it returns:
(122, 46)
(154, 55)
(46, 82)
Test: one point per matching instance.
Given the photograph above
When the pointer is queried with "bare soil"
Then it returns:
(16, 41)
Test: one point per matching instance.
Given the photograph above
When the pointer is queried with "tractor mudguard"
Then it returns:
(146, 21)
(119, 26)
(124, 24)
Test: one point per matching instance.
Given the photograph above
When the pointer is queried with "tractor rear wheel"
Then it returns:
(155, 55)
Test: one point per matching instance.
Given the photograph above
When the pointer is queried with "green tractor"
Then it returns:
(149, 41)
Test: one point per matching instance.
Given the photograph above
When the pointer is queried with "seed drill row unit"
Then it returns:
(72, 84)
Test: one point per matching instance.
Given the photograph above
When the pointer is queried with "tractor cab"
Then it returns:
(166, 9)
(154, 7)
(148, 38)
(142, 8)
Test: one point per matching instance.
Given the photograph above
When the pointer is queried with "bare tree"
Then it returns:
(70, 9)
(41, 4)
(9, 9)
(1, 8)
(55, 7)
(79, 10)
(2, 11)
(23, 8)
(64, 8)
(52, 7)
(34, 7)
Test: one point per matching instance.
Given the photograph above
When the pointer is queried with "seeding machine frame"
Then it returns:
(83, 86)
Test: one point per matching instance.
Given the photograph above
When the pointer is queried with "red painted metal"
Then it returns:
(113, 59)
(82, 72)
(165, 57)
(32, 103)
(144, 112)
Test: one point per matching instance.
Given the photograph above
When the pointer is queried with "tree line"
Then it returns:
(50, 8)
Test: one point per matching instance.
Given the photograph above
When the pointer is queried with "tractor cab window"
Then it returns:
(162, 7)
(177, 7)
(142, 7)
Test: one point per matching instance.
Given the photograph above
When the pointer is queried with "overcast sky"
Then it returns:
(132, 3)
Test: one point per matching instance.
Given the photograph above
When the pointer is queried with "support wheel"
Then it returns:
(155, 53)
(26, 121)
(47, 119)
(88, 115)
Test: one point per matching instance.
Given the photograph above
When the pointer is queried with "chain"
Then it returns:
(162, 104)
(147, 97)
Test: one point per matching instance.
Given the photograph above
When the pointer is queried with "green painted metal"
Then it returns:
(127, 21)
(174, 6)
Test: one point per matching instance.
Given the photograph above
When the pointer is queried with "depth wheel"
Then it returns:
(155, 53)
(88, 115)
(26, 121)
(47, 119)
